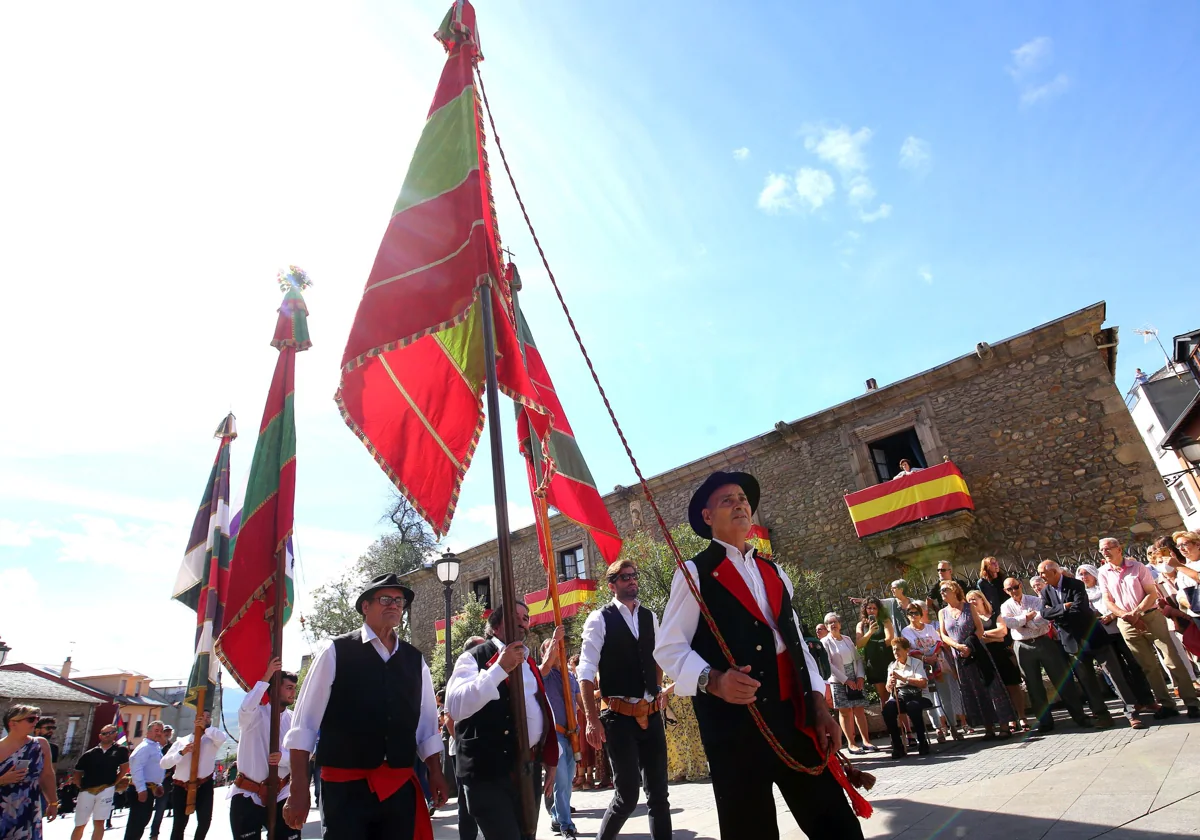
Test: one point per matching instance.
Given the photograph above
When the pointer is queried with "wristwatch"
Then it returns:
(702, 680)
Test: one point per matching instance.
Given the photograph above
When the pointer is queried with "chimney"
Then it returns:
(872, 385)
(66, 669)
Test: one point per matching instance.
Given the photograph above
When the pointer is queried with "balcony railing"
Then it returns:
(925, 493)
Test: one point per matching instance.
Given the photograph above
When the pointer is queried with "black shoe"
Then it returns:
(1084, 722)
(570, 834)
(1166, 712)
(554, 828)
(1193, 711)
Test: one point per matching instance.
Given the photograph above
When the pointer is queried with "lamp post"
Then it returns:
(447, 567)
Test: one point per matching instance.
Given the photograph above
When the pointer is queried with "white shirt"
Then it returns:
(594, 631)
(844, 661)
(471, 688)
(318, 683)
(673, 649)
(144, 765)
(209, 744)
(1013, 616)
(255, 743)
(913, 669)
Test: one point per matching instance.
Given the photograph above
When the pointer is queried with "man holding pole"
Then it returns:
(195, 770)
(618, 644)
(247, 811)
(370, 696)
(553, 676)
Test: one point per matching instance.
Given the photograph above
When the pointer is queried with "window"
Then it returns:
(137, 688)
(887, 452)
(137, 727)
(482, 590)
(72, 724)
(1185, 499)
(572, 564)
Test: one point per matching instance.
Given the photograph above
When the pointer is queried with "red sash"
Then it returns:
(384, 781)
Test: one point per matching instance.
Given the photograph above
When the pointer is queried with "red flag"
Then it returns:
(413, 369)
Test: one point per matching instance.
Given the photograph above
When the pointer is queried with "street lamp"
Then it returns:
(1191, 451)
(447, 567)
(4, 649)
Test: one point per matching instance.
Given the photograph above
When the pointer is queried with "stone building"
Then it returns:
(74, 710)
(1035, 423)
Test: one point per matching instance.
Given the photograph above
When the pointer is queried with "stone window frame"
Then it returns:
(583, 546)
(918, 416)
(482, 575)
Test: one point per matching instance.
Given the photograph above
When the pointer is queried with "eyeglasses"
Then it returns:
(390, 600)
(945, 570)
(914, 612)
(625, 577)
(49, 728)
(1012, 589)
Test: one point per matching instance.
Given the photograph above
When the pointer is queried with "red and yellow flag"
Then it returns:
(925, 493)
(572, 596)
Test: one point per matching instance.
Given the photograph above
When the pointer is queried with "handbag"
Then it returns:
(855, 694)
(909, 694)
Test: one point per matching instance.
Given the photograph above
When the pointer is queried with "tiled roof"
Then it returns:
(29, 686)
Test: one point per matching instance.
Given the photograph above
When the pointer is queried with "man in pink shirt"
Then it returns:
(1131, 594)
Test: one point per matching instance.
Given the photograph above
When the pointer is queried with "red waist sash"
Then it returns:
(384, 781)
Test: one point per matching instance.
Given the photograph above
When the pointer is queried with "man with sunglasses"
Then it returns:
(370, 696)
(96, 774)
(46, 727)
(618, 646)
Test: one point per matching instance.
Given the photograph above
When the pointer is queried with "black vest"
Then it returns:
(374, 707)
(487, 740)
(752, 643)
(627, 666)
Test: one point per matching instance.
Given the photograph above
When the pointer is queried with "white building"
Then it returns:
(1156, 403)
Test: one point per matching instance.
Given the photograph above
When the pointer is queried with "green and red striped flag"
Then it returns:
(413, 368)
(203, 577)
(570, 488)
(267, 513)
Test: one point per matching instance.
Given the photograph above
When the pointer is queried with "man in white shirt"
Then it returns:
(477, 697)
(147, 774)
(369, 695)
(749, 600)
(247, 813)
(618, 644)
(180, 757)
(1035, 650)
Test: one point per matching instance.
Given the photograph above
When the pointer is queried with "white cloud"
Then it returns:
(859, 190)
(21, 534)
(775, 194)
(1031, 57)
(814, 186)
(915, 154)
(741, 154)
(1043, 93)
(883, 212)
(839, 147)
(926, 274)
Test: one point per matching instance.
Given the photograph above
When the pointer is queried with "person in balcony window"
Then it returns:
(906, 468)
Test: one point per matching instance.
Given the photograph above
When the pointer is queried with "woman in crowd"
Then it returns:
(873, 637)
(1188, 543)
(847, 681)
(1134, 675)
(998, 645)
(907, 683)
(686, 760)
(897, 606)
(1168, 560)
(25, 769)
(925, 643)
(985, 700)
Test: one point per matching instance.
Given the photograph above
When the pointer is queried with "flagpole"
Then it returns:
(276, 683)
(197, 735)
(572, 722)
(508, 587)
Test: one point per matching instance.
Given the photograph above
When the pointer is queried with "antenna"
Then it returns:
(1150, 331)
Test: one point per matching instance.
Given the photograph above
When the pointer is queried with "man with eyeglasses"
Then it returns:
(96, 775)
(369, 695)
(1132, 595)
(937, 603)
(1036, 651)
(618, 646)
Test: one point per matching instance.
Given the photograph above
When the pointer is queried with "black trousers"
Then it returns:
(912, 708)
(350, 811)
(204, 803)
(467, 829)
(139, 815)
(249, 820)
(744, 768)
(496, 805)
(639, 759)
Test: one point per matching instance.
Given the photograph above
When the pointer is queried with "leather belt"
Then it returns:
(259, 788)
(639, 711)
(199, 781)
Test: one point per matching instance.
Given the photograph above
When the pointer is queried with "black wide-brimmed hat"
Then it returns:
(747, 482)
(387, 581)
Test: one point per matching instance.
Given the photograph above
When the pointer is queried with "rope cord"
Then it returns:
(693, 587)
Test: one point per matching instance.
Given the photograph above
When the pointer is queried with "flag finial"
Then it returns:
(293, 277)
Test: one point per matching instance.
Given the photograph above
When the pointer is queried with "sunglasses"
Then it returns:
(31, 719)
(389, 600)
(915, 612)
(1012, 589)
(625, 577)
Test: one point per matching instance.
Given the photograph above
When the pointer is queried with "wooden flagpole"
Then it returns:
(197, 735)
(543, 512)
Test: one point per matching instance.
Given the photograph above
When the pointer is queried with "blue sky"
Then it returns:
(750, 214)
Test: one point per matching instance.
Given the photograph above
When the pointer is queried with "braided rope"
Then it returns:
(693, 587)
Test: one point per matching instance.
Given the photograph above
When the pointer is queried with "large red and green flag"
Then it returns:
(413, 370)
(564, 475)
(202, 578)
(244, 644)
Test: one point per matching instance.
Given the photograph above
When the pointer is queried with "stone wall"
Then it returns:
(1035, 423)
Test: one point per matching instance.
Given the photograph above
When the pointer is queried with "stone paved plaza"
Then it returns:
(1069, 785)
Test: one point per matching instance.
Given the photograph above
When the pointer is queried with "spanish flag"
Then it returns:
(925, 493)
(571, 597)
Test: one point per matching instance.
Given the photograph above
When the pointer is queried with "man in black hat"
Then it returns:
(477, 698)
(370, 696)
(750, 600)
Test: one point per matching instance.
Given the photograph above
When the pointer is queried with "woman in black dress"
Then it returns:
(873, 636)
(998, 644)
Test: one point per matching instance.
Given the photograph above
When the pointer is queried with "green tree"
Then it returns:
(470, 622)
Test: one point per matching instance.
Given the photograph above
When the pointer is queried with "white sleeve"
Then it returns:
(248, 716)
(429, 736)
(470, 689)
(673, 643)
(172, 757)
(310, 705)
(214, 736)
(837, 673)
(815, 682)
(136, 762)
(592, 644)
